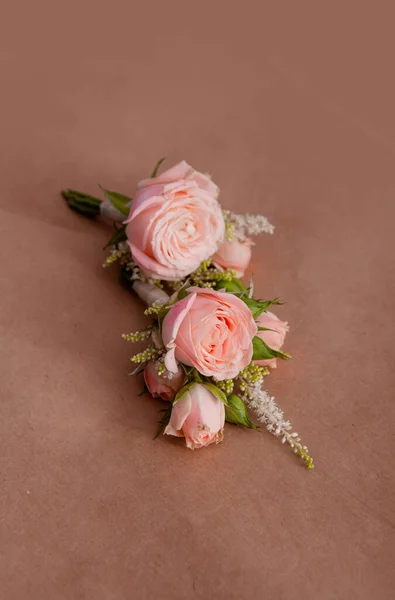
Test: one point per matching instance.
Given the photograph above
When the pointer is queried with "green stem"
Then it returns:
(196, 376)
(85, 205)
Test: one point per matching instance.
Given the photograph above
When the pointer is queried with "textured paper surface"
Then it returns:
(292, 110)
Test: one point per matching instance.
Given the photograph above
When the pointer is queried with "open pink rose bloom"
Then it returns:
(175, 223)
(211, 331)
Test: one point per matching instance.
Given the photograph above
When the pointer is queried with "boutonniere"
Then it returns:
(210, 343)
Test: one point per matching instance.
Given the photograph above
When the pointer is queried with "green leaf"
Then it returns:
(183, 391)
(118, 200)
(217, 392)
(117, 237)
(164, 420)
(261, 351)
(236, 413)
(233, 286)
(158, 164)
(257, 307)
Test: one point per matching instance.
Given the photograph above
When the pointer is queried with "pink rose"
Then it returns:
(274, 339)
(211, 331)
(173, 228)
(182, 171)
(199, 416)
(234, 255)
(161, 387)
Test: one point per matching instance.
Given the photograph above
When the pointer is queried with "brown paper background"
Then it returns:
(291, 108)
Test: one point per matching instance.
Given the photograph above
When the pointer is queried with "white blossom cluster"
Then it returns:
(246, 225)
(272, 417)
(266, 409)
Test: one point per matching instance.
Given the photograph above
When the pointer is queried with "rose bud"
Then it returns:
(162, 387)
(199, 416)
(274, 339)
(233, 254)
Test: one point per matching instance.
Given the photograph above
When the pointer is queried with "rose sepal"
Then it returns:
(217, 392)
(119, 201)
(210, 386)
(186, 388)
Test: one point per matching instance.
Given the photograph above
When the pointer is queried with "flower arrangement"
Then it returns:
(210, 344)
